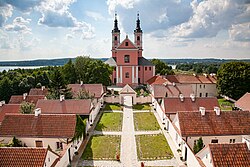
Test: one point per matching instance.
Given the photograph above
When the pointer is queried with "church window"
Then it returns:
(126, 58)
(115, 38)
(126, 75)
(114, 68)
(138, 38)
(149, 68)
(139, 69)
(146, 68)
(126, 43)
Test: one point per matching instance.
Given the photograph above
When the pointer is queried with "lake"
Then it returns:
(16, 67)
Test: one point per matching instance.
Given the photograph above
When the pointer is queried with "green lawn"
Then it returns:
(110, 122)
(102, 147)
(145, 121)
(141, 107)
(151, 147)
(112, 107)
(225, 105)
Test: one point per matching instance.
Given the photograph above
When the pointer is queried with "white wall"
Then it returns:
(209, 88)
(205, 156)
(112, 99)
(50, 158)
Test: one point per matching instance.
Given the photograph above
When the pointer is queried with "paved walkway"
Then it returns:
(153, 132)
(106, 133)
(128, 143)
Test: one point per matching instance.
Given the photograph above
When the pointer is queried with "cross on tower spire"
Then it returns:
(116, 29)
(138, 27)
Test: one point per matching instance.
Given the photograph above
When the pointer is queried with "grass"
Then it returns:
(145, 121)
(102, 147)
(110, 122)
(225, 105)
(141, 107)
(112, 107)
(152, 147)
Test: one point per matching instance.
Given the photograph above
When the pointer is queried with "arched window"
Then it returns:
(138, 38)
(126, 75)
(126, 58)
(115, 38)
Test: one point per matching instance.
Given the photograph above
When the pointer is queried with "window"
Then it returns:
(166, 94)
(195, 142)
(115, 38)
(139, 80)
(126, 58)
(200, 86)
(200, 94)
(139, 68)
(206, 94)
(39, 143)
(149, 68)
(138, 38)
(176, 137)
(126, 75)
(204, 86)
(114, 68)
(146, 68)
(232, 140)
(214, 141)
(126, 43)
(114, 80)
(59, 145)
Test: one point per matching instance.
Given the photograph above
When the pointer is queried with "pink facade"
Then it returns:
(129, 65)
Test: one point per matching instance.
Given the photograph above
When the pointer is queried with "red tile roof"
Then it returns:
(172, 105)
(232, 155)
(18, 99)
(72, 106)
(94, 89)
(9, 108)
(38, 91)
(191, 79)
(160, 91)
(45, 126)
(21, 156)
(244, 102)
(227, 123)
(156, 80)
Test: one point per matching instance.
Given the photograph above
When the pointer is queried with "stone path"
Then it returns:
(153, 132)
(106, 133)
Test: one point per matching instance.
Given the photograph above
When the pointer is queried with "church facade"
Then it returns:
(130, 67)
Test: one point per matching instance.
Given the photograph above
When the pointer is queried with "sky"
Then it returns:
(46, 29)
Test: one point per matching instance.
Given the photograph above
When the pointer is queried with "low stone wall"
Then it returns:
(111, 99)
(142, 99)
(139, 99)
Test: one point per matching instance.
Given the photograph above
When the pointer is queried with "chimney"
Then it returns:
(194, 74)
(174, 84)
(205, 75)
(202, 110)
(81, 83)
(43, 87)
(181, 97)
(25, 95)
(2, 103)
(217, 110)
(192, 96)
(62, 97)
(38, 112)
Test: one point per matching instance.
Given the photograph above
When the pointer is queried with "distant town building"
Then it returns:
(130, 67)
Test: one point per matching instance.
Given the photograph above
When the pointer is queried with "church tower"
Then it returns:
(138, 36)
(115, 37)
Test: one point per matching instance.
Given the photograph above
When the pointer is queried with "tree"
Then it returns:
(69, 72)
(15, 143)
(82, 68)
(5, 89)
(198, 146)
(27, 108)
(82, 94)
(233, 79)
(161, 67)
(80, 128)
(58, 86)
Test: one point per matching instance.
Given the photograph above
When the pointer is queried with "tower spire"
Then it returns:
(138, 27)
(116, 29)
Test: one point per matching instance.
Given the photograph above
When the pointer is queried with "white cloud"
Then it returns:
(96, 16)
(128, 4)
(5, 13)
(85, 30)
(210, 17)
(240, 32)
(19, 25)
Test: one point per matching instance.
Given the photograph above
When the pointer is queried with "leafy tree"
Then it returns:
(82, 94)
(233, 79)
(58, 86)
(198, 146)
(5, 89)
(161, 67)
(27, 108)
(15, 143)
(80, 128)
(82, 68)
(69, 72)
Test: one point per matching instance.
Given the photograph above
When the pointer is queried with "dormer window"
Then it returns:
(126, 43)
(126, 58)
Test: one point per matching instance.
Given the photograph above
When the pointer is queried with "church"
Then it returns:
(130, 67)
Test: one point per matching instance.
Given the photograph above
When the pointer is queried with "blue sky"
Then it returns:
(39, 29)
